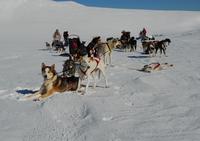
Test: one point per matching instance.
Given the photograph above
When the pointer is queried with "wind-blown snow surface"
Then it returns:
(137, 106)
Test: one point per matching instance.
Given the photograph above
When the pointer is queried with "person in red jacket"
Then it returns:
(142, 35)
(144, 32)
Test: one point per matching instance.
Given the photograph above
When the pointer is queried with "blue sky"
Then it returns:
(191, 5)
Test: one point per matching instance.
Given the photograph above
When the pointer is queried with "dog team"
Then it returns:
(88, 62)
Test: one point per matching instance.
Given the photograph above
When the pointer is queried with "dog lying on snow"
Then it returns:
(53, 83)
(155, 67)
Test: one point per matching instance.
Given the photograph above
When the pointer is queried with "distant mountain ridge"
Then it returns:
(69, 13)
(9, 7)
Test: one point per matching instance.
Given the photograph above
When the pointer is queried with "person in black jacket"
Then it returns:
(66, 38)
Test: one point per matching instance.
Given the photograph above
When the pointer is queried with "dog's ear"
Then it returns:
(114, 41)
(53, 67)
(43, 65)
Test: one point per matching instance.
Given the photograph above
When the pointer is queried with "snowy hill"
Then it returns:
(137, 106)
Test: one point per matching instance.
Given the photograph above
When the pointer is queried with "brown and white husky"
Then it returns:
(53, 83)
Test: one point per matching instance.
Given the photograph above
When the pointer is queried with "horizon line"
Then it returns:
(139, 7)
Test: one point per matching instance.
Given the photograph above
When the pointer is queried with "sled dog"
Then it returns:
(53, 83)
(155, 67)
(89, 67)
(104, 50)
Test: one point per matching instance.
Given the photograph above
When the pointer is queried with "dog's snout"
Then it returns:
(118, 46)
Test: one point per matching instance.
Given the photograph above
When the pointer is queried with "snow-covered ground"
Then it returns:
(136, 107)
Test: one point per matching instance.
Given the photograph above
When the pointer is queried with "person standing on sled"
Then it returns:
(144, 32)
(124, 38)
(66, 38)
(143, 35)
(56, 37)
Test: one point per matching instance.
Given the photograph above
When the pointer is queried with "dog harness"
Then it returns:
(155, 65)
(92, 58)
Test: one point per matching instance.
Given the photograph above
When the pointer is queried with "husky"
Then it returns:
(155, 67)
(161, 45)
(133, 44)
(104, 50)
(88, 67)
(149, 47)
(53, 83)
(48, 45)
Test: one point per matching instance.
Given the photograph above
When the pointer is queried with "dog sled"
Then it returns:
(57, 45)
(74, 44)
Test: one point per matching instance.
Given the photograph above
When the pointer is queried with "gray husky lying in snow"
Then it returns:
(155, 67)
